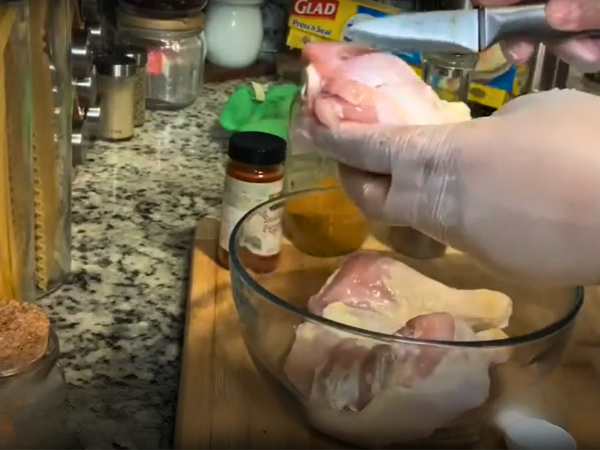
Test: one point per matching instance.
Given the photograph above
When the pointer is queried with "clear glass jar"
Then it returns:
(450, 76)
(331, 225)
(17, 258)
(176, 52)
(33, 404)
(53, 93)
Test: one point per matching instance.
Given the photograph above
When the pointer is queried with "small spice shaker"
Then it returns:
(116, 89)
(254, 175)
(140, 55)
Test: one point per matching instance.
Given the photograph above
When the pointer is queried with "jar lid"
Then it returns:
(189, 23)
(139, 54)
(115, 66)
(163, 9)
(256, 148)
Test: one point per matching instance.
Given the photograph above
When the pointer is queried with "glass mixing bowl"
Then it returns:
(459, 413)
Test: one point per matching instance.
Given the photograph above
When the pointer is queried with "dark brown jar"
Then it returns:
(253, 176)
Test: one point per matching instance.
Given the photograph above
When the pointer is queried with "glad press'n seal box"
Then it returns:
(332, 21)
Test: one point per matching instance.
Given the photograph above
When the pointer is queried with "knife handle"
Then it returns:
(524, 22)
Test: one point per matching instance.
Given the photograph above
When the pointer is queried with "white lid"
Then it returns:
(528, 433)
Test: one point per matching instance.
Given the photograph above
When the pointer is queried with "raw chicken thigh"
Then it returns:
(379, 293)
(349, 85)
(376, 394)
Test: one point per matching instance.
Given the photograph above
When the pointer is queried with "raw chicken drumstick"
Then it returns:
(422, 386)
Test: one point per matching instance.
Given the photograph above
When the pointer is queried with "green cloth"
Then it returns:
(244, 113)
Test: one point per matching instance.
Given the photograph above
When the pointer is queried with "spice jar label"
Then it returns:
(262, 235)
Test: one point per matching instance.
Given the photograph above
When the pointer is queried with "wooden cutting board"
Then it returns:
(224, 404)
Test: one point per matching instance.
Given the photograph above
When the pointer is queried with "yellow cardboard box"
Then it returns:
(329, 20)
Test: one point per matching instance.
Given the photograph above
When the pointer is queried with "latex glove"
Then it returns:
(519, 191)
(567, 15)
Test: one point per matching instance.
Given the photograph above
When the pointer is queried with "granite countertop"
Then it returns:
(120, 319)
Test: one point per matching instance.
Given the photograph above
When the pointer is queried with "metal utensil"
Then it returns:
(460, 31)
(91, 10)
(86, 90)
(80, 144)
(547, 72)
(81, 54)
(91, 122)
(97, 33)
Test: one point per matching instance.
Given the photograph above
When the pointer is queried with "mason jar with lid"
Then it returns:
(176, 51)
(17, 257)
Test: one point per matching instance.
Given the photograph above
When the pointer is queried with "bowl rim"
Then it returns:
(236, 266)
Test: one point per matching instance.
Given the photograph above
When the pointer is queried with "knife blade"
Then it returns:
(460, 31)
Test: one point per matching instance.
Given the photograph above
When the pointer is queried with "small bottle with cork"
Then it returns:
(254, 175)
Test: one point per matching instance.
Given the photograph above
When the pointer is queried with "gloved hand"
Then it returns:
(567, 15)
(519, 191)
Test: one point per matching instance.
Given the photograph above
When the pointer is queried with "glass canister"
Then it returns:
(330, 225)
(176, 52)
(33, 391)
(53, 93)
(17, 258)
(450, 76)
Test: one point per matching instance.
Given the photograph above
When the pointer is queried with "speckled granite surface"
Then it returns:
(120, 320)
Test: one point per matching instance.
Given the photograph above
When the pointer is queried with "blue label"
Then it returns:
(370, 11)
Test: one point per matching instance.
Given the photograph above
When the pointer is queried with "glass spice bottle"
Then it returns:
(140, 55)
(327, 223)
(116, 88)
(254, 175)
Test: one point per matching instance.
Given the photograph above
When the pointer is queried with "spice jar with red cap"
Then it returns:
(254, 175)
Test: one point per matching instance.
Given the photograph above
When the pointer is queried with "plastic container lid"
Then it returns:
(522, 432)
(256, 148)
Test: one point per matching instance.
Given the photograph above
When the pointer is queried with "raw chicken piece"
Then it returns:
(376, 394)
(379, 293)
(347, 372)
(348, 84)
